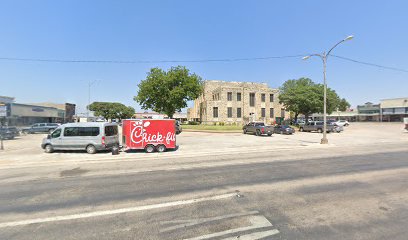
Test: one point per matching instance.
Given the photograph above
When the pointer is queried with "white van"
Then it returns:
(89, 136)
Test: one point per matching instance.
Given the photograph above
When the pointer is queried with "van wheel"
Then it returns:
(301, 129)
(49, 148)
(161, 148)
(319, 130)
(149, 148)
(91, 149)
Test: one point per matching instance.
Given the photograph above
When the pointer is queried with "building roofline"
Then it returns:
(394, 98)
(223, 81)
(13, 98)
(30, 105)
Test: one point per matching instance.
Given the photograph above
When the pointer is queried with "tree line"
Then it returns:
(169, 91)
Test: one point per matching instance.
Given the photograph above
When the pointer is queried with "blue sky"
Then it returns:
(210, 29)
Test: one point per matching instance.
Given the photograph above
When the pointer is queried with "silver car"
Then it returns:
(92, 137)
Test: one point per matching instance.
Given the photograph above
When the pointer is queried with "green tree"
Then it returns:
(168, 92)
(303, 96)
(111, 110)
(344, 105)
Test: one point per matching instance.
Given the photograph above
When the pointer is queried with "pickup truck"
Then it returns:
(8, 132)
(258, 128)
(316, 126)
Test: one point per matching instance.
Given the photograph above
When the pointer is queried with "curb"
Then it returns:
(211, 131)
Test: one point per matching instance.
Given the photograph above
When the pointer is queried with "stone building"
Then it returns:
(237, 102)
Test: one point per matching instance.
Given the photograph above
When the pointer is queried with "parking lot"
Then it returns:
(27, 148)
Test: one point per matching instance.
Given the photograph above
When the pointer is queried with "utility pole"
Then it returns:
(2, 120)
(1, 137)
(89, 97)
(324, 56)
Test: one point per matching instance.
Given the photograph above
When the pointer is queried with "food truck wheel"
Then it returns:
(161, 148)
(149, 148)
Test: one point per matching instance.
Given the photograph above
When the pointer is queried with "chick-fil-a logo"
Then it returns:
(139, 134)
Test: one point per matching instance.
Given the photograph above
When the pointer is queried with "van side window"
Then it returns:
(71, 132)
(89, 131)
(56, 133)
(111, 131)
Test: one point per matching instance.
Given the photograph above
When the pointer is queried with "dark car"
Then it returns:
(41, 128)
(179, 129)
(284, 129)
(8, 132)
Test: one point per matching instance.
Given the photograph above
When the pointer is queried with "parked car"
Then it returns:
(300, 122)
(342, 123)
(41, 128)
(179, 129)
(7, 132)
(258, 128)
(406, 123)
(283, 129)
(336, 128)
(89, 136)
(315, 126)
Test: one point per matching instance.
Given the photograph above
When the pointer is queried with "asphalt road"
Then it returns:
(352, 197)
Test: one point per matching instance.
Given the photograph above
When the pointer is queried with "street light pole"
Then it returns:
(324, 139)
(1, 137)
(89, 98)
(324, 57)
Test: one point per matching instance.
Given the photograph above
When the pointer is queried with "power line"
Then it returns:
(190, 61)
(370, 64)
(146, 61)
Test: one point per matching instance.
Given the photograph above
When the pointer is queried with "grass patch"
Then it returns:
(212, 128)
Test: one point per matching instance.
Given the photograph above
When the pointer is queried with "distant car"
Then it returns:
(258, 128)
(316, 126)
(342, 123)
(179, 129)
(300, 122)
(283, 129)
(41, 128)
(8, 132)
(336, 128)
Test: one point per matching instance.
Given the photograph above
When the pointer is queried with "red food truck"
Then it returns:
(149, 134)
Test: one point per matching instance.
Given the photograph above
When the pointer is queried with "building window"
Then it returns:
(263, 97)
(400, 110)
(239, 97)
(270, 97)
(252, 99)
(283, 113)
(263, 112)
(229, 96)
(239, 113)
(229, 112)
(215, 112)
(271, 113)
